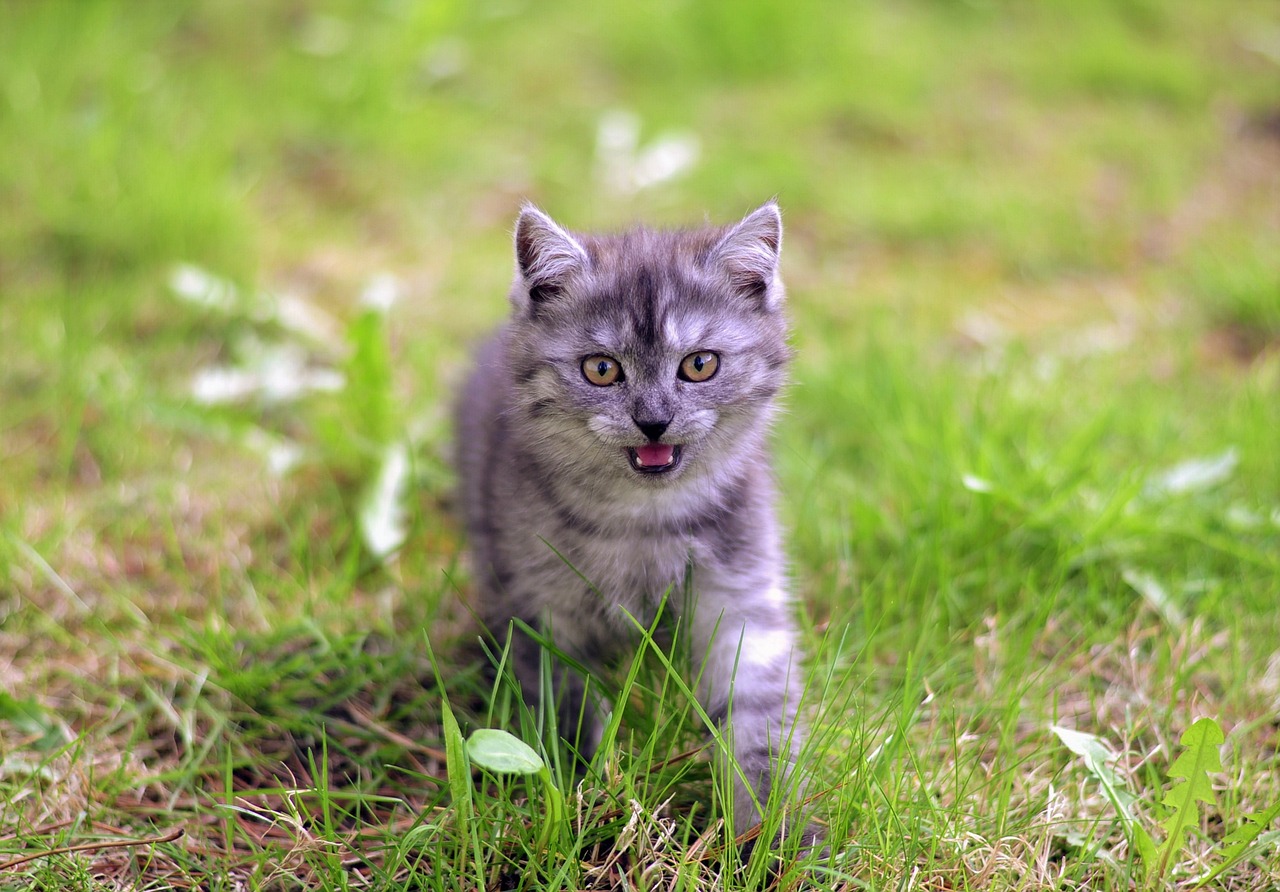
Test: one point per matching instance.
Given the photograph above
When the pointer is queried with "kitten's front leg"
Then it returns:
(578, 711)
(751, 684)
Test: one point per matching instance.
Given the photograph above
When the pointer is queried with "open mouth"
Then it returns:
(653, 458)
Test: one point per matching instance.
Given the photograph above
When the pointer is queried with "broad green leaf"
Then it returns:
(1090, 747)
(502, 753)
(1096, 755)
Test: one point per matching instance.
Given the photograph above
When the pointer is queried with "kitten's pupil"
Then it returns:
(698, 367)
(601, 370)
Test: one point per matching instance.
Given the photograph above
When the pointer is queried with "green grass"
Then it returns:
(1028, 461)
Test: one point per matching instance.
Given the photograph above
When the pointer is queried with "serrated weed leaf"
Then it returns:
(1239, 843)
(1202, 740)
(1254, 824)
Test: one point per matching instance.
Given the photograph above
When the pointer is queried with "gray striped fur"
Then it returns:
(566, 536)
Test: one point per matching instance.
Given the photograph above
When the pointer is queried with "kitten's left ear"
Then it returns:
(749, 253)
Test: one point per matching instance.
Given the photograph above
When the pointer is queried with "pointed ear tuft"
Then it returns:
(749, 251)
(546, 256)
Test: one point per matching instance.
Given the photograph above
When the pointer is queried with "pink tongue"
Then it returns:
(655, 454)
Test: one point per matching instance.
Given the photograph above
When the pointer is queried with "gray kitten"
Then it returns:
(612, 445)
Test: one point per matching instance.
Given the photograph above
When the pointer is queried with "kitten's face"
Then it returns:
(648, 358)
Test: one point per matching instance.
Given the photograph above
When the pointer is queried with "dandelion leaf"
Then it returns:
(1200, 757)
(1239, 843)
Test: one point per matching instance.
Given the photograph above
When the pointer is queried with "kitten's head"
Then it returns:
(647, 358)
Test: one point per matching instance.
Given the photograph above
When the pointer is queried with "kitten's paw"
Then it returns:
(811, 839)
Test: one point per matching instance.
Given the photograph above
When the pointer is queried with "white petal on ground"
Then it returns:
(1264, 41)
(296, 314)
(446, 58)
(667, 158)
(281, 454)
(974, 483)
(381, 293)
(983, 329)
(222, 384)
(301, 316)
(617, 135)
(202, 288)
(382, 522)
(625, 167)
(1242, 517)
(275, 373)
(1156, 595)
(324, 36)
(1194, 474)
(285, 377)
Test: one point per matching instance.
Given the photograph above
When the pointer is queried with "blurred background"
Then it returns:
(201, 198)
(1033, 257)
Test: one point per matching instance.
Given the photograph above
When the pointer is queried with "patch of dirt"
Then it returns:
(1236, 345)
(1086, 316)
(1241, 183)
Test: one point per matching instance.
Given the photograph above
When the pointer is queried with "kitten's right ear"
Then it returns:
(547, 257)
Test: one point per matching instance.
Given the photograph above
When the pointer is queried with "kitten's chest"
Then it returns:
(635, 570)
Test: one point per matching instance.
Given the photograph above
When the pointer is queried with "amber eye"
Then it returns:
(699, 366)
(601, 370)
